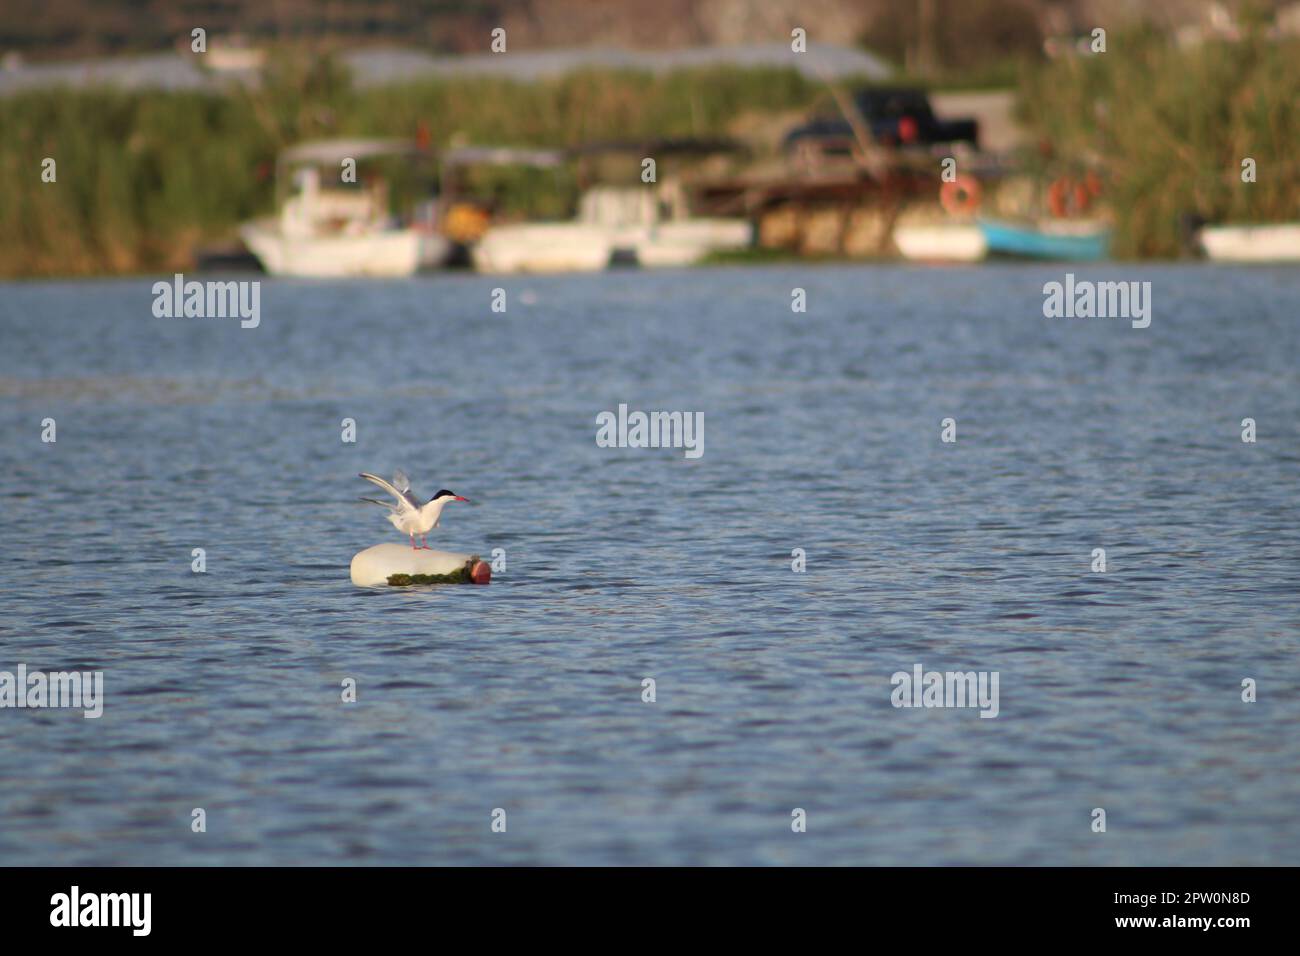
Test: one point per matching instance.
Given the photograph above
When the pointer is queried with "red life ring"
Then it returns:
(1067, 197)
(961, 196)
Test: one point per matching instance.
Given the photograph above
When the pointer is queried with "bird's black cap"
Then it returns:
(443, 493)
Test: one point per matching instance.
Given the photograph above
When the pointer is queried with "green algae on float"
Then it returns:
(463, 575)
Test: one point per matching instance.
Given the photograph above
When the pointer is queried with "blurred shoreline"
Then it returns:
(155, 179)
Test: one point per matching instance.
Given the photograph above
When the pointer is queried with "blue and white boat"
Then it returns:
(1073, 241)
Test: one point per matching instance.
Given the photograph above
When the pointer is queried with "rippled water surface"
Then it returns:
(822, 431)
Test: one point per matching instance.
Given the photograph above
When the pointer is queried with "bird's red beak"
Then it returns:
(459, 498)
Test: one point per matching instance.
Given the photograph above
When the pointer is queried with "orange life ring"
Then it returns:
(1067, 197)
(961, 196)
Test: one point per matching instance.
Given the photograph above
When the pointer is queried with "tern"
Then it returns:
(407, 514)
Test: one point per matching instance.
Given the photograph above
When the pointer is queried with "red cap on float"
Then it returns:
(481, 573)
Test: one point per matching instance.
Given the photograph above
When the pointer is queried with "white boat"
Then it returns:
(954, 242)
(394, 252)
(645, 223)
(651, 253)
(542, 247)
(1263, 243)
(652, 227)
(520, 247)
(342, 229)
(686, 241)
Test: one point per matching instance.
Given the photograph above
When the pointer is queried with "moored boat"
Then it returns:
(950, 242)
(326, 229)
(542, 247)
(1278, 242)
(686, 241)
(1068, 240)
(653, 228)
(394, 252)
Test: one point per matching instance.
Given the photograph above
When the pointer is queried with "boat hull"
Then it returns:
(389, 253)
(1065, 241)
(1274, 243)
(949, 243)
(684, 242)
(542, 247)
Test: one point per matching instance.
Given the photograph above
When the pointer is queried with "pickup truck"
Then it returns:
(896, 117)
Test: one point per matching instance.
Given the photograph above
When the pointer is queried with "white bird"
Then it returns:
(407, 514)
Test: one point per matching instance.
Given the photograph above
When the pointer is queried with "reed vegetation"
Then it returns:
(1168, 129)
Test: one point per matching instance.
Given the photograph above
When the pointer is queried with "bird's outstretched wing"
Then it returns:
(392, 508)
(403, 495)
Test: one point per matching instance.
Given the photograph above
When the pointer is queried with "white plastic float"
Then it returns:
(376, 567)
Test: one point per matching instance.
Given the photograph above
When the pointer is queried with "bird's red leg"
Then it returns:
(413, 547)
(424, 540)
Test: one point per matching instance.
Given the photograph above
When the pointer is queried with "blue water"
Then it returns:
(1119, 690)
